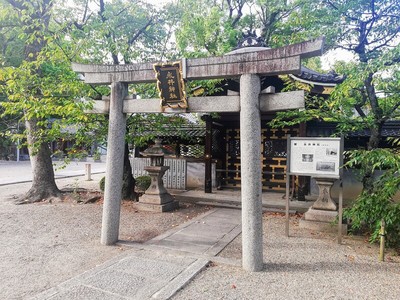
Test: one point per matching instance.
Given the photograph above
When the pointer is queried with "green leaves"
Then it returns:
(377, 202)
(202, 28)
(117, 32)
(377, 159)
(146, 127)
(41, 87)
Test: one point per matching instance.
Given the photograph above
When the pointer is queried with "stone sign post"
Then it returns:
(324, 200)
(247, 67)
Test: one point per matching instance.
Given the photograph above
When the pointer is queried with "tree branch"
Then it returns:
(16, 4)
(330, 3)
(360, 111)
(140, 32)
(98, 94)
(386, 39)
(230, 8)
(392, 111)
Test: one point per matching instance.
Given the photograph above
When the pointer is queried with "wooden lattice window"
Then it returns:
(234, 148)
(196, 151)
(275, 148)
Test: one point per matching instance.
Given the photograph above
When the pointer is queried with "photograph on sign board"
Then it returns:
(331, 152)
(307, 157)
(325, 166)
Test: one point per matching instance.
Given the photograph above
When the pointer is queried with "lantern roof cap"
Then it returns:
(156, 150)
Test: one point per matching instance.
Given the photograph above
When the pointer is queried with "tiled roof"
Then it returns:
(183, 131)
(314, 129)
(315, 77)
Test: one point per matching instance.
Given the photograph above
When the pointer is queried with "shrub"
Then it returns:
(124, 188)
(377, 203)
(143, 182)
(102, 183)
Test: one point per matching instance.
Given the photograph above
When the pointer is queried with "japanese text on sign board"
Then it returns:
(170, 85)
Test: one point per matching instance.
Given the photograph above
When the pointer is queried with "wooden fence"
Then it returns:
(174, 178)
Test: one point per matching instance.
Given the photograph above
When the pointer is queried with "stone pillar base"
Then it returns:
(321, 220)
(325, 201)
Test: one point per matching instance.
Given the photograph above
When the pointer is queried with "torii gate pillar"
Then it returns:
(114, 164)
(250, 149)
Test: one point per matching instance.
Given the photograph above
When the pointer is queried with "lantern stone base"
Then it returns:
(154, 200)
(321, 220)
(158, 203)
(156, 197)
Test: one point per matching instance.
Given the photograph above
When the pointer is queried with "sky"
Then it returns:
(329, 58)
(158, 2)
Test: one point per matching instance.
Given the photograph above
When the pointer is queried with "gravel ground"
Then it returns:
(308, 265)
(45, 244)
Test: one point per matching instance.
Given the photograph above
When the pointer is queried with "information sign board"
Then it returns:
(318, 157)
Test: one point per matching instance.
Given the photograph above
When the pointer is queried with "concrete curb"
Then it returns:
(55, 177)
(222, 243)
(178, 228)
(181, 280)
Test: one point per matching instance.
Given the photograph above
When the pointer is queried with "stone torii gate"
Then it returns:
(248, 66)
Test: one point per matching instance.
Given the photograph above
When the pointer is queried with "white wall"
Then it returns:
(196, 174)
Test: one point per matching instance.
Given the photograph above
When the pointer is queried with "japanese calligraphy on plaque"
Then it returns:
(170, 85)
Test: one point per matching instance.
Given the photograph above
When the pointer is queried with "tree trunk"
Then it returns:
(128, 185)
(43, 183)
(373, 143)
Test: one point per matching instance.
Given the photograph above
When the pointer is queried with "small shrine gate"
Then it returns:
(248, 64)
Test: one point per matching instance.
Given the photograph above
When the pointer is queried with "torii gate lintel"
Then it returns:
(283, 60)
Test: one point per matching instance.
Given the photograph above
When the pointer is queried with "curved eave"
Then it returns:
(312, 82)
(322, 83)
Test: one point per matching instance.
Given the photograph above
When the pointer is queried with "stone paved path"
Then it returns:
(207, 235)
(158, 268)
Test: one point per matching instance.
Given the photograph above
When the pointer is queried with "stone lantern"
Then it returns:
(156, 197)
(156, 154)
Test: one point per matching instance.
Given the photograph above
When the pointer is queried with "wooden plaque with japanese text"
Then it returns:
(170, 85)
